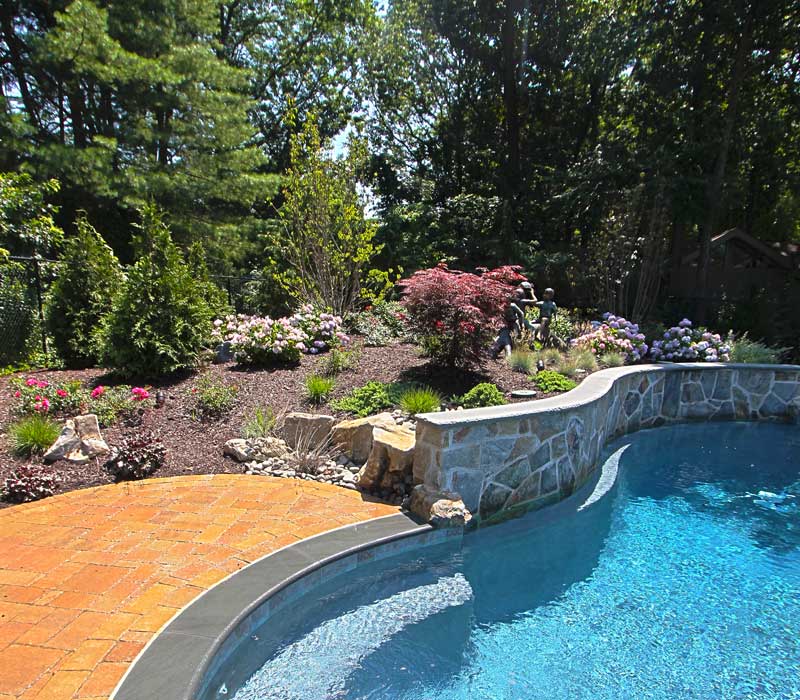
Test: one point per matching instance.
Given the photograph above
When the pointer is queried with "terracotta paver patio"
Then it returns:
(88, 577)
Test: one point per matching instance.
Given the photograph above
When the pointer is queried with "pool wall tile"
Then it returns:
(481, 453)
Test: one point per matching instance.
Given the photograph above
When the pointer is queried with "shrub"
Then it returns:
(614, 334)
(551, 382)
(682, 343)
(563, 326)
(216, 299)
(752, 351)
(380, 324)
(259, 424)
(613, 359)
(257, 340)
(457, 312)
(139, 456)
(522, 361)
(213, 398)
(29, 483)
(421, 399)
(485, 394)
(338, 360)
(37, 395)
(363, 401)
(319, 388)
(160, 320)
(82, 295)
(324, 238)
(550, 356)
(33, 435)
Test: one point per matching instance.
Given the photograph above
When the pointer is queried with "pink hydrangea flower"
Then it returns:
(98, 391)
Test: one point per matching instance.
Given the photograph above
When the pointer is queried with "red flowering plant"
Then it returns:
(456, 314)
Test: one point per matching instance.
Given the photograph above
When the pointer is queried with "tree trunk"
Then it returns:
(512, 120)
(715, 184)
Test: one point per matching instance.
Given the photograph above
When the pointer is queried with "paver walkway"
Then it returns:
(88, 577)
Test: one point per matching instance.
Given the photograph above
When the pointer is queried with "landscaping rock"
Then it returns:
(239, 449)
(269, 447)
(308, 429)
(354, 437)
(439, 508)
(64, 444)
(80, 440)
(390, 459)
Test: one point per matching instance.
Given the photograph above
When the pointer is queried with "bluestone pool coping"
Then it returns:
(178, 660)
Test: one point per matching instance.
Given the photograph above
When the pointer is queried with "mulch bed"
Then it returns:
(195, 447)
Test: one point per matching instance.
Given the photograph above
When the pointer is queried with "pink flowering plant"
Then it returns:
(38, 395)
(261, 340)
(683, 343)
(614, 334)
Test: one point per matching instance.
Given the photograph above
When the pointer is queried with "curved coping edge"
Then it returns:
(178, 660)
(590, 389)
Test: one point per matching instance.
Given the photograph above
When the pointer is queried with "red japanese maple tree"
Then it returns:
(456, 314)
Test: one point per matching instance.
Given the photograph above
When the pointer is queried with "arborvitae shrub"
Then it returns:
(215, 297)
(89, 278)
(161, 319)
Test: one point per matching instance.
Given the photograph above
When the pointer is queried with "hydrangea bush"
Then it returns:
(261, 340)
(683, 343)
(614, 334)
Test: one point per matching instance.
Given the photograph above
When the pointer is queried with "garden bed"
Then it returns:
(195, 446)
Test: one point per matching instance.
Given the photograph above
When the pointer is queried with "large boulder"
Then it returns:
(391, 458)
(79, 441)
(354, 437)
(439, 508)
(308, 430)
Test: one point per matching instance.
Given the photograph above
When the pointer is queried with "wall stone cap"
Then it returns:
(590, 389)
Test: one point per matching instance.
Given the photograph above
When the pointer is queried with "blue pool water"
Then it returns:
(683, 581)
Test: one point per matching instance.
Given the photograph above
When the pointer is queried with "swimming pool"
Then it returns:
(682, 581)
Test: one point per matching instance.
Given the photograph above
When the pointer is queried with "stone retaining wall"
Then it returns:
(527, 455)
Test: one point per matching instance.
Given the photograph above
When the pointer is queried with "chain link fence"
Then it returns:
(24, 282)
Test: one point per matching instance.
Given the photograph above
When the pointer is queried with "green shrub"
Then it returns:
(318, 388)
(29, 482)
(35, 394)
(160, 320)
(363, 401)
(563, 326)
(752, 351)
(421, 399)
(551, 382)
(259, 424)
(522, 361)
(83, 293)
(213, 398)
(613, 359)
(215, 298)
(113, 403)
(550, 356)
(33, 435)
(482, 395)
(337, 361)
(380, 324)
(139, 456)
